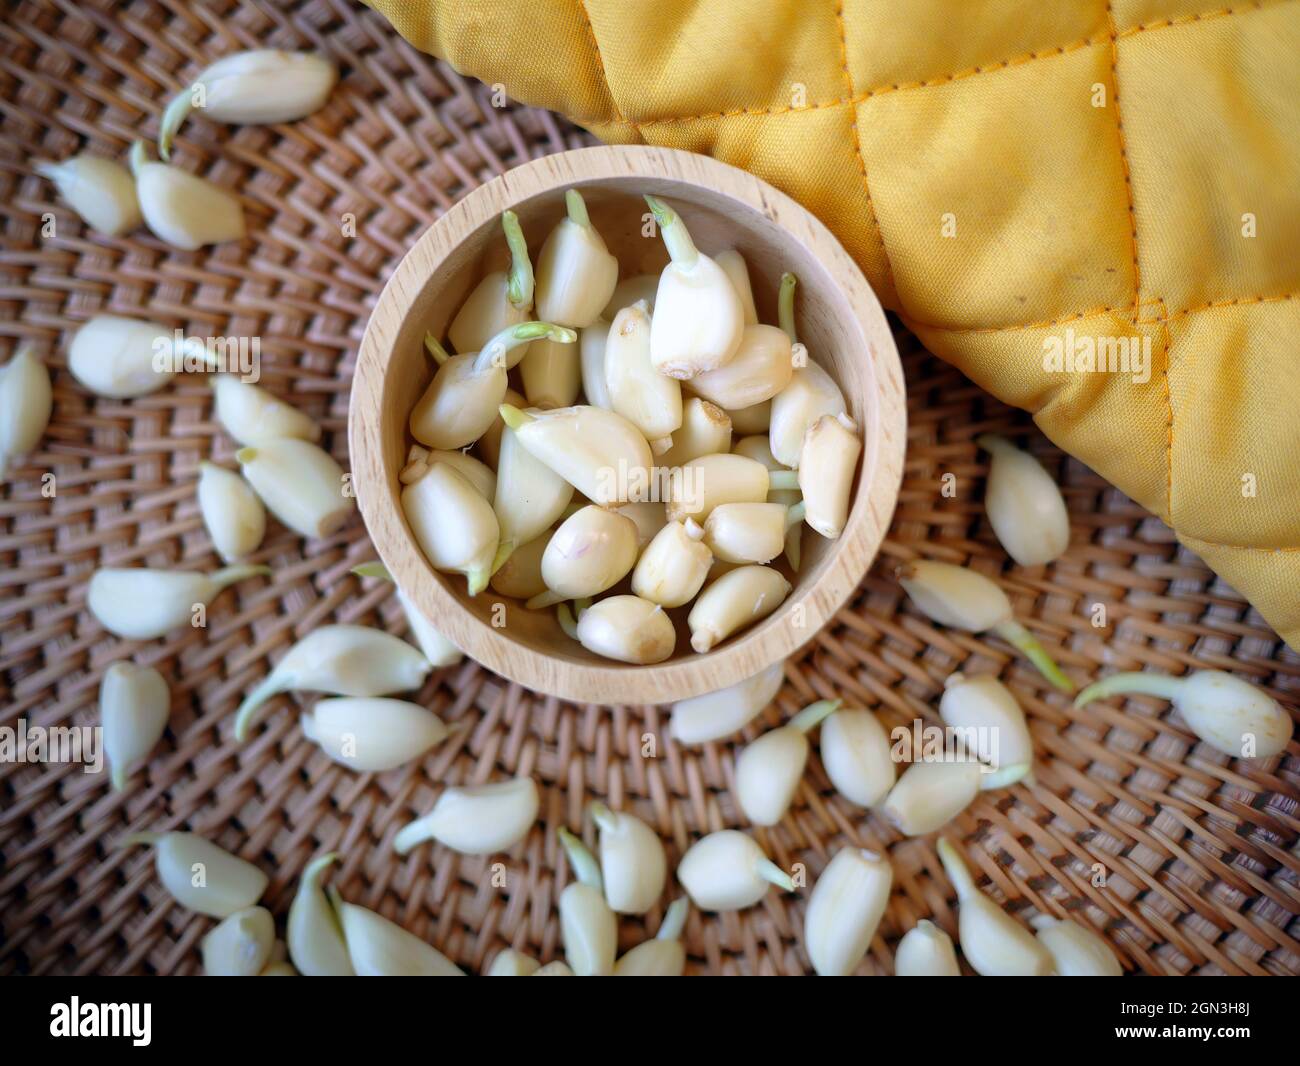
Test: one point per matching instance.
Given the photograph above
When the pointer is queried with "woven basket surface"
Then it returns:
(1186, 859)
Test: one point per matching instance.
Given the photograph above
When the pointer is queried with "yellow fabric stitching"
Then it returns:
(1123, 158)
(600, 61)
(1169, 424)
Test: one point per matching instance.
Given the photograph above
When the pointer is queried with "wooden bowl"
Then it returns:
(839, 319)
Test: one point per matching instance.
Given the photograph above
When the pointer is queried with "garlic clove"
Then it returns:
(530, 497)
(477, 473)
(233, 514)
(254, 87)
(750, 420)
(554, 969)
(994, 943)
(844, 910)
(629, 629)
(372, 734)
(633, 865)
(454, 526)
(437, 649)
(315, 937)
(733, 265)
(459, 405)
(182, 209)
(728, 871)
(588, 928)
(1076, 950)
(279, 969)
(101, 191)
(251, 415)
(501, 300)
(26, 401)
(512, 963)
(856, 753)
(121, 357)
(140, 604)
(697, 487)
(520, 576)
(758, 447)
(769, 769)
(810, 395)
(826, 465)
(705, 430)
(380, 948)
(551, 373)
(673, 566)
(746, 532)
(715, 715)
(988, 714)
(929, 795)
(649, 518)
(343, 660)
(300, 483)
(926, 951)
(489, 445)
(240, 945)
(576, 275)
(637, 391)
(201, 876)
(665, 955)
(1227, 713)
(591, 551)
(629, 291)
(734, 601)
(134, 704)
(591, 358)
(476, 820)
(698, 318)
(759, 370)
(1024, 504)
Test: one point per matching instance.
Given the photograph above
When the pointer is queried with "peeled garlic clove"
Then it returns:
(134, 704)
(380, 948)
(856, 754)
(665, 955)
(530, 496)
(826, 464)
(845, 907)
(758, 448)
(929, 795)
(810, 395)
(454, 526)
(1024, 504)
(697, 487)
(727, 871)
(749, 420)
(343, 660)
(477, 473)
(629, 629)
(489, 445)
(25, 404)
(520, 576)
(591, 357)
(649, 519)
(588, 927)
(101, 191)
(734, 601)
(926, 951)
(591, 551)
(121, 357)
(201, 876)
(994, 943)
(372, 733)
(637, 391)
(476, 820)
(300, 484)
(554, 969)
(315, 937)
(252, 88)
(512, 963)
(1076, 950)
(141, 604)
(182, 209)
(746, 532)
(705, 430)
(551, 373)
(733, 265)
(673, 566)
(698, 314)
(988, 714)
(576, 275)
(459, 405)
(759, 370)
(500, 300)
(629, 291)
(1227, 713)
(233, 514)
(437, 649)
(768, 770)
(240, 945)
(251, 415)
(598, 452)
(719, 714)
(632, 861)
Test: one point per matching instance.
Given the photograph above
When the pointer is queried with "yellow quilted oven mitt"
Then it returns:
(1037, 188)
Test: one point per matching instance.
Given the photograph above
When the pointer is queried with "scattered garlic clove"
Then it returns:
(576, 275)
(141, 604)
(673, 566)
(25, 404)
(994, 943)
(101, 191)
(629, 291)
(454, 526)
(554, 969)
(844, 910)
(551, 373)
(929, 795)
(588, 928)
(1024, 504)
(986, 711)
(826, 464)
(750, 420)
(746, 532)
(768, 770)
(733, 265)
(705, 430)
(697, 487)
(372, 734)
(715, 715)
(489, 445)
(501, 300)
(598, 452)
(343, 660)
(665, 955)
(637, 391)
(520, 576)
(759, 370)
(182, 209)
(476, 820)
(530, 497)
(121, 357)
(591, 551)
(1076, 950)
(232, 513)
(1227, 713)
(649, 518)
(965, 599)
(300, 483)
(633, 865)
(811, 394)
(628, 629)
(315, 937)
(201, 876)
(437, 649)
(252, 88)
(926, 951)
(698, 318)
(727, 871)
(734, 601)
(591, 359)
(134, 704)
(512, 963)
(380, 948)
(240, 945)
(251, 415)
(856, 753)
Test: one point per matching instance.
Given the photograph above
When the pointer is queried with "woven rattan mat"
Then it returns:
(1197, 852)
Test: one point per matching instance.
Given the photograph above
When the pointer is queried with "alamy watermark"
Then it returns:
(1085, 354)
(53, 744)
(179, 354)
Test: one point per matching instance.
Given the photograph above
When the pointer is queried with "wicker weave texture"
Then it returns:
(1198, 853)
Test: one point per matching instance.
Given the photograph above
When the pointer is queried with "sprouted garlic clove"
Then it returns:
(591, 359)
(769, 769)
(673, 567)
(733, 602)
(182, 209)
(926, 951)
(576, 274)
(733, 265)
(929, 795)
(826, 465)
(501, 300)
(372, 733)
(1024, 504)
(530, 497)
(240, 945)
(251, 415)
(551, 372)
(315, 937)
(665, 955)
(588, 927)
(476, 820)
(26, 401)
(101, 191)
(232, 512)
(728, 871)
(141, 604)
(454, 526)
(1076, 950)
(844, 910)
(592, 550)
(122, 358)
(477, 473)
(633, 865)
(984, 708)
(856, 754)
(811, 394)
(134, 704)
(628, 629)
(637, 391)
(380, 948)
(436, 648)
(759, 370)
(228, 884)
(715, 715)
(300, 483)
